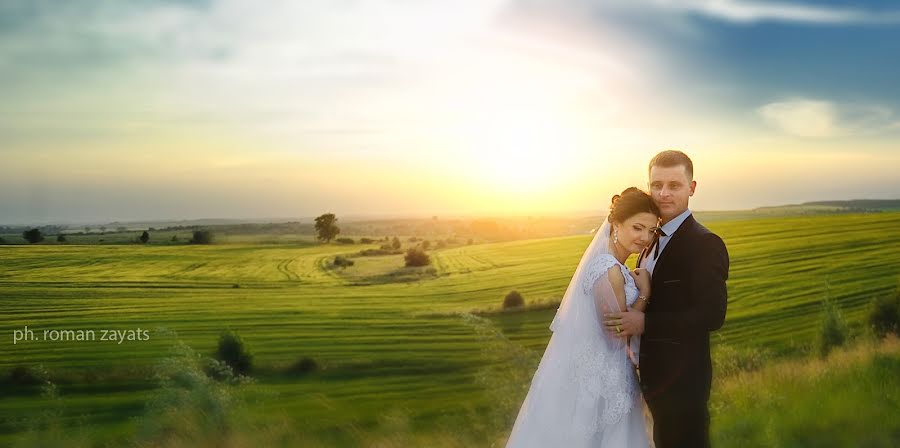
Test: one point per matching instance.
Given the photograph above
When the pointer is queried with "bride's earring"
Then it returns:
(616, 237)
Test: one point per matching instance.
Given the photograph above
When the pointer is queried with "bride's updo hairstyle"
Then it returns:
(629, 203)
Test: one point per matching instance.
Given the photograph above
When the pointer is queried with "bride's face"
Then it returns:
(636, 232)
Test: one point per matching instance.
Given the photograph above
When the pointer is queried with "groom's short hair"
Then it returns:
(670, 158)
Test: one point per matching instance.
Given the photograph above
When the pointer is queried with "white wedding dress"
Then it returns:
(585, 392)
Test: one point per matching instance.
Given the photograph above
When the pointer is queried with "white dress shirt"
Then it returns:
(669, 228)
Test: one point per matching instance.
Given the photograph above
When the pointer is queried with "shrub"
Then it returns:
(33, 236)
(233, 351)
(27, 376)
(366, 240)
(426, 245)
(202, 237)
(513, 300)
(303, 366)
(60, 238)
(395, 244)
(145, 237)
(2, 241)
(469, 242)
(884, 315)
(833, 331)
(345, 241)
(416, 257)
(342, 261)
(174, 238)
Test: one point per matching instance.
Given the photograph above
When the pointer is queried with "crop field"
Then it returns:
(388, 339)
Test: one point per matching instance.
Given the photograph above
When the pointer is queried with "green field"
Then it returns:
(390, 339)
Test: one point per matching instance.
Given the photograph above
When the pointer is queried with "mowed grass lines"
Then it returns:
(384, 345)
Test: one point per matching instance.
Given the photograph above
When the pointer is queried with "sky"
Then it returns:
(138, 110)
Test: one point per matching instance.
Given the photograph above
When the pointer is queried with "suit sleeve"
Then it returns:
(707, 298)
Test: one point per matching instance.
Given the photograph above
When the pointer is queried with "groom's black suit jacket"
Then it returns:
(688, 300)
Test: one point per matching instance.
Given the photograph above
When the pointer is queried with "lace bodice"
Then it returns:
(599, 266)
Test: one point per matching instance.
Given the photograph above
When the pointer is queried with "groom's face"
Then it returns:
(671, 189)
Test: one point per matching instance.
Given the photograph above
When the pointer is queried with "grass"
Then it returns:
(386, 345)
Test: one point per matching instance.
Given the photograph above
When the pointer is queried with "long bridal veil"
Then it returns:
(584, 384)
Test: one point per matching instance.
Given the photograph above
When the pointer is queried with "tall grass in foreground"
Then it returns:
(851, 398)
(848, 399)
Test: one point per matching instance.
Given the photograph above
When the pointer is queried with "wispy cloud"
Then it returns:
(816, 118)
(755, 11)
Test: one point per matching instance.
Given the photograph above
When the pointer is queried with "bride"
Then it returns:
(585, 391)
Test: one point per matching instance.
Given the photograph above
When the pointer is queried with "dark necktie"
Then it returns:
(659, 234)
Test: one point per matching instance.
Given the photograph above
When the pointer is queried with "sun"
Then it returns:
(520, 151)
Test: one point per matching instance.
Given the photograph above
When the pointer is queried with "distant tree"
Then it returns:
(121, 229)
(513, 300)
(145, 237)
(345, 241)
(884, 315)
(33, 236)
(326, 227)
(413, 239)
(469, 242)
(87, 229)
(60, 238)
(233, 351)
(426, 244)
(2, 241)
(174, 238)
(395, 243)
(366, 240)
(416, 257)
(102, 229)
(202, 236)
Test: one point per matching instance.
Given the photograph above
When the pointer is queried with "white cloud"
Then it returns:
(755, 11)
(815, 118)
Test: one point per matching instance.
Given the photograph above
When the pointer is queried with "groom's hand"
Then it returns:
(631, 323)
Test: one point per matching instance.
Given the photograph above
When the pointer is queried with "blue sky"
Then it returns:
(223, 108)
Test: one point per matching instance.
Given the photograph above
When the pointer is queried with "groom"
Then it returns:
(689, 266)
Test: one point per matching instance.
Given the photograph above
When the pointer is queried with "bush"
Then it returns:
(513, 300)
(233, 352)
(366, 240)
(413, 239)
(33, 236)
(27, 376)
(202, 237)
(417, 257)
(884, 315)
(342, 261)
(145, 237)
(395, 244)
(469, 242)
(833, 332)
(174, 238)
(303, 366)
(426, 245)
(60, 238)
(2, 241)
(345, 241)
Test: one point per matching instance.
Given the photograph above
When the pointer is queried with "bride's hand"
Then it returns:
(641, 278)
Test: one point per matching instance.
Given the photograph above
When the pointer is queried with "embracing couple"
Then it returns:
(622, 337)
